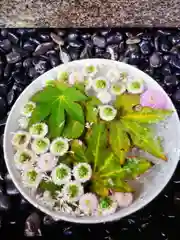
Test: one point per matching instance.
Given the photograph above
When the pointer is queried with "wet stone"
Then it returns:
(32, 225)
(43, 48)
(47, 220)
(5, 203)
(5, 45)
(13, 38)
(11, 190)
(13, 57)
(155, 60)
(99, 41)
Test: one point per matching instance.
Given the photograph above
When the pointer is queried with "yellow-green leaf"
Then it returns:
(144, 138)
(119, 141)
(126, 102)
(147, 115)
(136, 166)
(118, 185)
(75, 95)
(73, 129)
(99, 188)
(78, 151)
(75, 111)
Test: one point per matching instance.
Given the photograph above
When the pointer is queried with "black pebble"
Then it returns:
(5, 45)
(29, 46)
(176, 96)
(41, 66)
(54, 60)
(171, 81)
(3, 89)
(5, 203)
(43, 48)
(99, 41)
(3, 108)
(72, 36)
(11, 97)
(7, 70)
(13, 57)
(114, 38)
(13, 38)
(27, 63)
(11, 190)
(76, 44)
(32, 225)
(145, 47)
(45, 37)
(47, 220)
(134, 58)
(155, 60)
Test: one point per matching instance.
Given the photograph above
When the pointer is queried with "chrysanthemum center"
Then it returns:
(73, 191)
(108, 111)
(101, 84)
(83, 171)
(32, 175)
(61, 173)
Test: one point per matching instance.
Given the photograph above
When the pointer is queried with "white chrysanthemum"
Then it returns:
(88, 83)
(38, 130)
(90, 70)
(100, 84)
(40, 145)
(59, 146)
(124, 77)
(72, 191)
(23, 122)
(82, 172)
(135, 86)
(46, 162)
(107, 206)
(31, 178)
(24, 158)
(88, 203)
(104, 97)
(123, 199)
(62, 76)
(118, 88)
(61, 174)
(75, 77)
(107, 112)
(113, 75)
(21, 139)
(28, 109)
(46, 199)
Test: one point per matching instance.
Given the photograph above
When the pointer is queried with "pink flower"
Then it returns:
(123, 199)
(88, 203)
(154, 99)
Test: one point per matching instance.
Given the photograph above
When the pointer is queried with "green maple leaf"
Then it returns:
(143, 137)
(41, 111)
(147, 115)
(91, 108)
(56, 121)
(73, 129)
(119, 140)
(62, 100)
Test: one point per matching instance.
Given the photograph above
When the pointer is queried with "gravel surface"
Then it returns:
(85, 13)
(27, 53)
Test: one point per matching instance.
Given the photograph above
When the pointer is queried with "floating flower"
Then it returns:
(72, 191)
(107, 112)
(88, 203)
(38, 130)
(100, 84)
(118, 88)
(46, 162)
(154, 99)
(113, 75)
(40, 145)
(104, 97)
(63, 76)
(31, 178)
(75, 77)
(59, 146)
(82, 172)
(23, 122)
(21, 139)
(135, 86)
(61, 174)
(90, 70)
(24, 158)
(28, 109)
(107, 206)
(123, 199)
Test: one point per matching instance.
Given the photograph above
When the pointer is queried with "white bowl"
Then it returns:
(148, 186)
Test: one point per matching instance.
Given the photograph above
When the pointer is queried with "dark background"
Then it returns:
(27, 53)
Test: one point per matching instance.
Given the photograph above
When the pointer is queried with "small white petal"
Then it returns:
(40, 145)
(113, 75)
(28, 109)
(38, 130)
(74, 196)
(100, 84)
(123, 199)
(90, 70)
(23, 122)
(88, 203)
(21, 139)
(75, 77)
(24, 158)
(31, 178)
(46, 162)
(104, 97)
(135, 86)
(82, 172)
(107, 112)
(59, 146)
(105, 211)
(118, 88)
(61, 174)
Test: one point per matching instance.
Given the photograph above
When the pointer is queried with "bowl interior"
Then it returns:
(148, 186)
